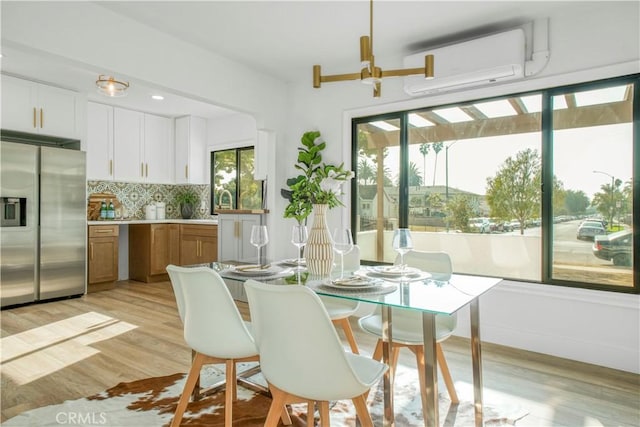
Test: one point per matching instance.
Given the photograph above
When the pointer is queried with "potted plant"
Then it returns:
(315, 190)
(187, 199)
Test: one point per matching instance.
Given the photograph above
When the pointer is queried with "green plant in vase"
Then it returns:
(187, 200)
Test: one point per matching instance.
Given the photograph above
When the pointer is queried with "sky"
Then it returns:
(577, 153)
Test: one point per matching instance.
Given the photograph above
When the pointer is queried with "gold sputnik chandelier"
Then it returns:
(369, 73)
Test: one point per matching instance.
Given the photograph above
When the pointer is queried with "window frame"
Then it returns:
(236, 196)
(546, 148)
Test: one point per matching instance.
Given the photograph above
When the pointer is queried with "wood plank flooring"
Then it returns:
(72, 348)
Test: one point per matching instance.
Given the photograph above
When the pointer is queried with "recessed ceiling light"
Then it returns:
(157, 97)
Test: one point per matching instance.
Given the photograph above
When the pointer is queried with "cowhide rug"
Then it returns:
(151, 402)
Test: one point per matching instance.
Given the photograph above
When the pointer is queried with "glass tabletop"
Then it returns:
(418, 290)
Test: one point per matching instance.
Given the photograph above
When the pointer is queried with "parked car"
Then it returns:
(587, 231)
(614, 247)
(594, 222)
(480, 225)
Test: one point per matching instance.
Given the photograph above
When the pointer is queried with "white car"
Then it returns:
(480, 225)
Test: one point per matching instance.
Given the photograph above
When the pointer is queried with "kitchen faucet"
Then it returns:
(222, 193)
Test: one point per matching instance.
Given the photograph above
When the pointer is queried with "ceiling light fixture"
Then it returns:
(157, 97)
(369, 73)
(109, 86)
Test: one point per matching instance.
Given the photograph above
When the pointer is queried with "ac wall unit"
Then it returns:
(478, 62)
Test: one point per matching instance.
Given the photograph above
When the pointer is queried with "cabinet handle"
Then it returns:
(153, 237)
(41, 118)
(186, 171)
(91, 251)
(147, 169)
(103, 231)
(34, 117)
(142, 170)
(110, 167)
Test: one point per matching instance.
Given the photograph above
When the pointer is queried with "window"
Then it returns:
(232, 183)
(468, 179)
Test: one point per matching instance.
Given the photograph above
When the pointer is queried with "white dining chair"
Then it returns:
(340, 309)
(407, 324)
(214, 329)
(301, 355)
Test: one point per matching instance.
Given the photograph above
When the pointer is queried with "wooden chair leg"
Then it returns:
(348, 332)
(279, 398)
(230, 392)
(284, 416)
(377, 352)
(362, 411)
(418, 350)
(446, 375)
(311, 413)
(195, 395)
(325, 420)
(192, 378)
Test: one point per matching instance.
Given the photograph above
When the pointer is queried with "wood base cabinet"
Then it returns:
(198, 244)
(103, 257)
(151, 248)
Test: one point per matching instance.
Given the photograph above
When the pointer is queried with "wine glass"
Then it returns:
(299, 238)
(342, 243)
(259, 238)
(402, 243)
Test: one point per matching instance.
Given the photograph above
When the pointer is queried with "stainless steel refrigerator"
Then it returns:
(43, 223)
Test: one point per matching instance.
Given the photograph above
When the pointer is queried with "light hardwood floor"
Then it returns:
(73, 348)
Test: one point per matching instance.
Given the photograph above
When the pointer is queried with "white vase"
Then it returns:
(318, 251)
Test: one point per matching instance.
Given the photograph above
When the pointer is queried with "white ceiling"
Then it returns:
(285, 39)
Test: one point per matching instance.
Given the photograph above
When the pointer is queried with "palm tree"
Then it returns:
(437, 147)
(365, 171)
(414, 175)
(424, 150)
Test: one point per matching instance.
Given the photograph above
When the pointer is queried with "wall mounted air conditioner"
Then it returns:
(487, 60)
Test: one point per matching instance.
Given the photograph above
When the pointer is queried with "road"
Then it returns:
(567, 249)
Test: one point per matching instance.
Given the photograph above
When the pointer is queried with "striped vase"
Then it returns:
(318, 251)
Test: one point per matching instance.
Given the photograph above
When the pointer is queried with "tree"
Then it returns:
(437, 147)
(414, 175)
(576, 202)
(366, 173)
(434, 202)
(606, 201)
(459, 210)
(424, 150)
(514, 192)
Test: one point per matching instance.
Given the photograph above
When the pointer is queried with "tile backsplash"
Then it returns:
(135, 196)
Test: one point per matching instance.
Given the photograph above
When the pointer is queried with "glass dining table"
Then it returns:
(419, 292)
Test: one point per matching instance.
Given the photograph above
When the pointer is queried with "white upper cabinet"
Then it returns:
(142, 146)
(158, 150)
(128, 145)
(99, 142)
(191, 150)
(37, 108)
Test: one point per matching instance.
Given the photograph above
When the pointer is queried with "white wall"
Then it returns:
(597, 40)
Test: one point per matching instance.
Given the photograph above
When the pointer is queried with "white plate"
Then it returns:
(394, 271)
(293, 262)
(256, 270)
(356, 282)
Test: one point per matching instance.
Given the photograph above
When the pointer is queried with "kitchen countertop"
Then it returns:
(155, 221)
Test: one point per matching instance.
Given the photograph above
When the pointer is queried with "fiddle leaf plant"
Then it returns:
(318, 183)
